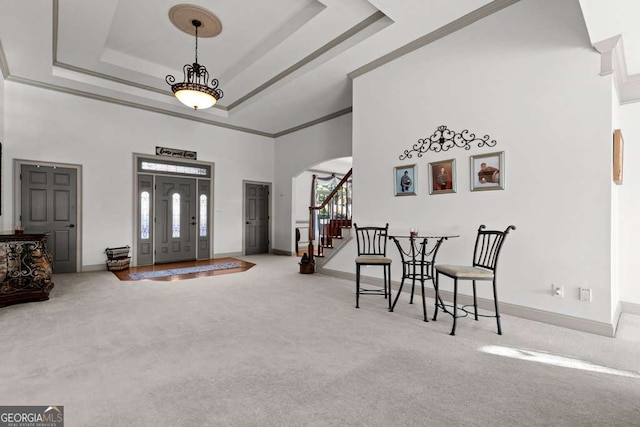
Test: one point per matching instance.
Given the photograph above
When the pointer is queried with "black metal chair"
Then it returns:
(485, 262)
(372, 250)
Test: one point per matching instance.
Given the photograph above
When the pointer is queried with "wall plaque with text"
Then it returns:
(174, 152)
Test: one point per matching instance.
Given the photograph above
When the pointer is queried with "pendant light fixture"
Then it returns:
(194, 91)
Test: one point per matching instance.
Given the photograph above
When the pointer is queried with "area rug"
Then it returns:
(186, 270)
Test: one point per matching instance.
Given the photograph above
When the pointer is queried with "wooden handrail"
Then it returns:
(334, 191)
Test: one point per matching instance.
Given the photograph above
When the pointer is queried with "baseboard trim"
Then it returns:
(563, 320)
(615, 319)
(350, 276)
(228, 255)
(281, 252)
(93, 267)
(629, 307)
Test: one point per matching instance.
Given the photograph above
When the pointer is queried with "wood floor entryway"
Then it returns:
(124, 274)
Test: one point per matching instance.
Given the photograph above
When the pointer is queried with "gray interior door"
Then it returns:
(49, 205)
(176, 224)
(256, 232)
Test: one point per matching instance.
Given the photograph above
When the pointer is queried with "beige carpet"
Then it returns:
(272, 347)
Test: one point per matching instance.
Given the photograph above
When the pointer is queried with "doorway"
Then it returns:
(49, 205)
(172, 210)
(256, 229)
(175, 219)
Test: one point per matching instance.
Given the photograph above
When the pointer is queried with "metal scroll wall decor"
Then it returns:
(443, 139)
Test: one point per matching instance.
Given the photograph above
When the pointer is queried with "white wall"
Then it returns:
(3, 164)
(51, 126)
(295, 153)
(527, 77)
(629, 123)
(615, 212)
(301, 201)
(302, 196)
(1, 107)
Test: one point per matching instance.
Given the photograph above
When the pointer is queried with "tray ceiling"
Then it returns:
(282, 64)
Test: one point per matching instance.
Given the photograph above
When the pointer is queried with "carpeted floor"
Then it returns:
(272, 347)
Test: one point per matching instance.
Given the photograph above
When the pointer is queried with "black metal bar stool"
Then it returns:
(485, 262)
(372, 250)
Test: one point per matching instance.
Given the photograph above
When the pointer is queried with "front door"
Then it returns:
(176, 223)
(49, 205)
(256, 232)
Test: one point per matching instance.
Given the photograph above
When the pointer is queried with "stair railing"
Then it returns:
(337, 207)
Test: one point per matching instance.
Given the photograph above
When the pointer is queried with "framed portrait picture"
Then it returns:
(405, 180)
(618, 156)
(487, 171)
(442, 177)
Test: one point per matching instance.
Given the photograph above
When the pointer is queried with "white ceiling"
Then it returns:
(282, 64)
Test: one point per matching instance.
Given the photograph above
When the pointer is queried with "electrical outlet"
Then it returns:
(585, 294)
(557, 290)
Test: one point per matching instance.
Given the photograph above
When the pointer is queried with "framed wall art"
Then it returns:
(618, 156)
(487, 171)
(442, 177)
(405, 179)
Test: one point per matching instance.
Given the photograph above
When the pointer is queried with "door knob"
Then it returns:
(71, 226)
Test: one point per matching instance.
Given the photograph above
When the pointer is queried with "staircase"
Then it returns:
(332, 236)
(330, 222)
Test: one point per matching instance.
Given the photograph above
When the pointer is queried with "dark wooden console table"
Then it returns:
(26, 268)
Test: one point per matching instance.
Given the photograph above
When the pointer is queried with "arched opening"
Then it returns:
(328, 174)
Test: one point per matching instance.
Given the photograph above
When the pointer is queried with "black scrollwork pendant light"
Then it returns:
(195, 91)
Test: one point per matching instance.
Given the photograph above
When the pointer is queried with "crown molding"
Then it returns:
(611, 52)
(204, 120)
(445, 30)
(4, 65)
(314, 122)
(139, 106)
(366, 23)
(613, 62)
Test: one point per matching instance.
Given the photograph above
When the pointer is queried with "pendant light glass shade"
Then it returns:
(195, 98)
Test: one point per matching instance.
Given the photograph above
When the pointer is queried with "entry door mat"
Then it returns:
(185, 270)
(180, 271)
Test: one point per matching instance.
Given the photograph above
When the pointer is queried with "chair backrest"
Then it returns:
(372, 240)
(488, 246)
